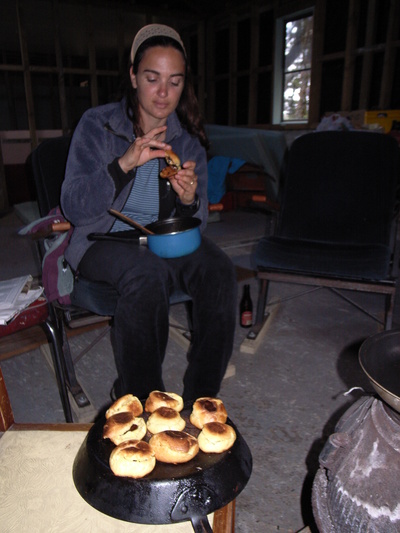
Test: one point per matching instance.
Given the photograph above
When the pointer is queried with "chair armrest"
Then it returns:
(57, 227)
(215, 207)
(263, 199)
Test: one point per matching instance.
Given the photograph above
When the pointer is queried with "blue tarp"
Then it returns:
(218, 168)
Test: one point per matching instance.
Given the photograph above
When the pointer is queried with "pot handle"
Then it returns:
(130, 237)
(201, 524)
(193, 504)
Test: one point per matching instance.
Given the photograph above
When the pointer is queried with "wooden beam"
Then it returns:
(232, 69)
(6, 414)
(27, 77)
(366, 73)
(94, 94)
(120, 30)
(9, 90)
(390, 56)
(201, 61)
(317, 55)
(46, 69)
(60, 68)
(349, 58)
(254, 46)
(210, 81)
(4, 205)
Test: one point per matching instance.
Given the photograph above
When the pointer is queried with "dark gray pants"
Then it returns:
(140, 326)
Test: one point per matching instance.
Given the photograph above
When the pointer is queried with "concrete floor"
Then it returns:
(285, 399)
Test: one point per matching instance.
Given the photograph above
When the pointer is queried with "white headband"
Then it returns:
(154, 30)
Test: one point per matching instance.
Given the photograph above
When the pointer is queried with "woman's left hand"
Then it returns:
(184, 183)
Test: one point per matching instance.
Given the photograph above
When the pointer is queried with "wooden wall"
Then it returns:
(59, 57)
(355, 62)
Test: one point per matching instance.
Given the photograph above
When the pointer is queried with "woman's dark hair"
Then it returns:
(188, 107)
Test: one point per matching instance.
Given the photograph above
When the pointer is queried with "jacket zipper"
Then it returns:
(107, 127)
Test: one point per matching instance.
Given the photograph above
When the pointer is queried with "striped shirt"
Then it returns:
(142, 204)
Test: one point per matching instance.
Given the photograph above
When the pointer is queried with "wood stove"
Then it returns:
(357, 487)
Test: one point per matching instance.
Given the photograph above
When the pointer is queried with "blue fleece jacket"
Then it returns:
(94, 182)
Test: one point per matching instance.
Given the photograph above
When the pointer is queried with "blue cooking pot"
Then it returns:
(174, 237)
(171, 237)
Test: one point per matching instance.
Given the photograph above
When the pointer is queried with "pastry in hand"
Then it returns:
(173, 164)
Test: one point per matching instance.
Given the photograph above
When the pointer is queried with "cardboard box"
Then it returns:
(383, 118)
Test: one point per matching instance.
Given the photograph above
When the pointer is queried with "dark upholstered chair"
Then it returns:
(91, 301)
(337, 226)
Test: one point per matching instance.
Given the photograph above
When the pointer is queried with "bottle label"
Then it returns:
(247, 318)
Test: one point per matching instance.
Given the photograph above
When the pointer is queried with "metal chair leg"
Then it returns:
(260, 316)
(57, 356)
(389, 310)
(70, 375)
(262, 300)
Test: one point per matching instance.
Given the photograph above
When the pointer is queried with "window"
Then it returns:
(292, 73)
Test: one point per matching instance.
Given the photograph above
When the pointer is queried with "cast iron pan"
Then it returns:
(171, 493)
(379, 357)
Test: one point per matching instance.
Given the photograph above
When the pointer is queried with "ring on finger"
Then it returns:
(191, 183)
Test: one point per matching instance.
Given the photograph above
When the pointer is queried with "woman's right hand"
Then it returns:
(144, 149)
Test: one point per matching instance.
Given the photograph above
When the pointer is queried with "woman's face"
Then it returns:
(159, 84)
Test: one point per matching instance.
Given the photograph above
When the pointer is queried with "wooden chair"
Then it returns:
(6, 414)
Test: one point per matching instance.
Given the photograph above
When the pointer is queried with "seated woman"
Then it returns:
(114, 162)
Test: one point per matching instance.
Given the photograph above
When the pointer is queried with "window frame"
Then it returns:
(279, 66)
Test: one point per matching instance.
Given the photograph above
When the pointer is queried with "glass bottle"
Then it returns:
(246, 308)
